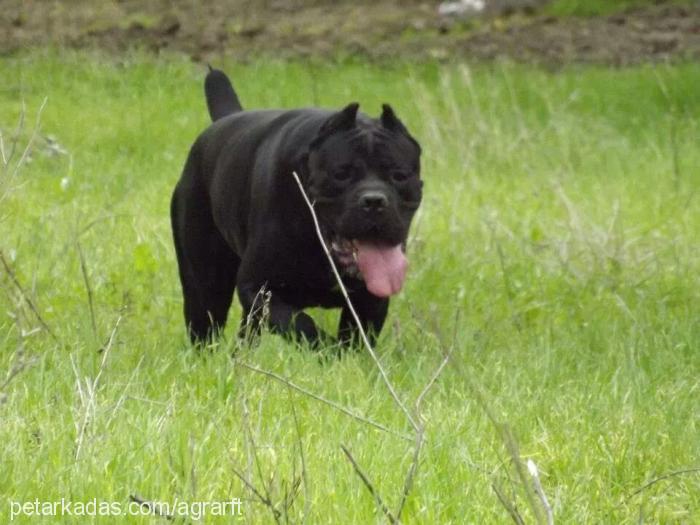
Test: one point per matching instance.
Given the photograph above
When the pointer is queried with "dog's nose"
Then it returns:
(373, 201)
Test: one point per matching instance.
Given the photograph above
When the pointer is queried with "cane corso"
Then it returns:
(241, 222)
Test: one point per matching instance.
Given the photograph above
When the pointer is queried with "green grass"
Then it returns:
(602, 7)
(560, 222)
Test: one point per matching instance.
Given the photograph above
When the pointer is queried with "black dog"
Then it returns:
(240, 221)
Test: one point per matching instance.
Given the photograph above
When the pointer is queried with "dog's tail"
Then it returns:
(221, 98)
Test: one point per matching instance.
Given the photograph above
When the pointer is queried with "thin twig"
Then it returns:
(514, 451)
(654, 481)
(290, 495)
(88, 287)
(514, 514)
(267, 498)
(18, 132)
(300, 445)
(532, 468)
(31, 139)
(263, 499)
(249, 453)
(98, 220)
(344, 291)
(505, 435)
(107, 348)
(410, 475)
(151, 506)
(420, 435)
(123, 396)
(370, 487)
(18, 366)
(433, 379)
(509, 441)
(416, 420)
(26, 298)
(92, 389)
(317, 397)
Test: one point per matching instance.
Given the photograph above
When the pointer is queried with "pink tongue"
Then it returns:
(383, 268)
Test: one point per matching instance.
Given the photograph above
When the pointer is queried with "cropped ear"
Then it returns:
(392, 123)
(340, 121)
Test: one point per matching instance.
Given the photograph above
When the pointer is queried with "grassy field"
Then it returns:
(602, 7)
(556, 257)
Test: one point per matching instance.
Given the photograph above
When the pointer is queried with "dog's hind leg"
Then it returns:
(207, 265)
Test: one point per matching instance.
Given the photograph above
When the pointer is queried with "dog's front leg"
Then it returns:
(371, 312)
(263, 305)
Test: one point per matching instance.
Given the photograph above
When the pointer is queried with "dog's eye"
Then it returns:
(343, 174)
(399, 175)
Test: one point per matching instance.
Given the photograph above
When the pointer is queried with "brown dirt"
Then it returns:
(379, 29)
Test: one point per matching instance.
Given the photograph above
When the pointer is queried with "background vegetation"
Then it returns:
(555, 257)
(602, 7)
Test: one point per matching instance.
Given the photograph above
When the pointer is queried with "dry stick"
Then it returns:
(88, 287)
(344, 291)
(418, 425)
(317, 397)
(290, 495)
(369, 486)
(18, 131)
(508, 440)
(17, 368)
(514, 451)
(263, 308)
(123, 396)
(504, 433)
(263, 499)
(98, 220)
(532, 468)
(662, 478)
(108, 347)
(517, 518)
(31, 140)
(254, 448)
(408, 482)
(420, 435)
(363, 335)
(151, 506)
(249, 453)
(193, 465)
(267, 500)
(26, 298)
(304, 480)
(92, 387)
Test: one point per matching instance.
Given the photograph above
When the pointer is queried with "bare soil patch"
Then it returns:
(380, 29)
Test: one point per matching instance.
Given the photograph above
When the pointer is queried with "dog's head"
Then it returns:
(364, 176)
